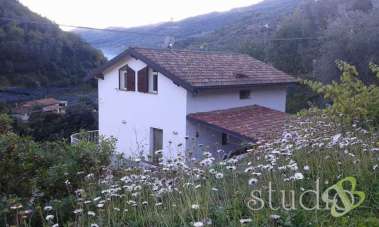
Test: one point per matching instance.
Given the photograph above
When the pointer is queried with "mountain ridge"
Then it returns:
(183, 31)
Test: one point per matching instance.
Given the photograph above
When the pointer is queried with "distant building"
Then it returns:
(51, 105)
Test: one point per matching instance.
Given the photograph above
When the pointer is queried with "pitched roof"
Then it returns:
(202, 69)
(41, 102)
(254, 123)
(28, 106)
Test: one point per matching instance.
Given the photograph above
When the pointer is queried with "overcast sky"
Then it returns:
(126, 13)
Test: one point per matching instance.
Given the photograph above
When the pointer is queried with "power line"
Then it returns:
(22, 20)
(78, 27)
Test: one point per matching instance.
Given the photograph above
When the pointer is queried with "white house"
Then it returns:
(188, 101)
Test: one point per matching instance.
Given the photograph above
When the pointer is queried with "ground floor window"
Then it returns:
(224, 139)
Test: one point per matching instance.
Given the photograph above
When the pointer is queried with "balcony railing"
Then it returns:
(89, 136)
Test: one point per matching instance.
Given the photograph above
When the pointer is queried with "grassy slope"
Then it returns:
(182, 196)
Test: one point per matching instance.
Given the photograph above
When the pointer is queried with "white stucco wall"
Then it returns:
(209, 140)
(129, 116)
(273, 97)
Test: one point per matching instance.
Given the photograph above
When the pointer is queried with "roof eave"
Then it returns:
(241, 86)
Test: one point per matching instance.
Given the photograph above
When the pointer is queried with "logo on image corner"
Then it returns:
(343, 200)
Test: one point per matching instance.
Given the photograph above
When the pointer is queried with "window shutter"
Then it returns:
(130, 79)
(143, 80)
(120, 74)
(155, 82)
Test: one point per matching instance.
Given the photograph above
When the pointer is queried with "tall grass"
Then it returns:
(209, 193)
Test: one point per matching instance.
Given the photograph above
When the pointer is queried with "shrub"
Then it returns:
(5, 123)
(352, 101)
(37, 173)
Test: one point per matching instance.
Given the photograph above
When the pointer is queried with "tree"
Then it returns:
(351, 100)
(352, 38)
(5, 123)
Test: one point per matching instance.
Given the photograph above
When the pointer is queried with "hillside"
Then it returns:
(35, 52)
(213, 27)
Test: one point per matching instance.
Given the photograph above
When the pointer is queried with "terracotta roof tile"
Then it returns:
(203, 69)
(251, 122)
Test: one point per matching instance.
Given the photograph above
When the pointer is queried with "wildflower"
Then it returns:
(158, 152)
(306, 168)
(336, 138)
(16, 207)
(90, 176)
(198, 186)
(145, 203)
(117, 209)
(158, 204)
(215, 189)
(49, 217)
(244, 221)
(91, 213)
(219, 175)
(47, 208)
(198, 224)
(94, 225)
(27, 212)
(274, 216)
(195, 206)
(253, 181)
(299, 176)
(212, 171)
(231, 167)
(249, 169)
(100, 205)
(207, 154)
(78, 211)
(55, 225)
(374, 167)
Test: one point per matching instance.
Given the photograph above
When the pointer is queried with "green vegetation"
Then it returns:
(51, 126)
(35, 52)
(351, 100)
(76, 186)
(35, 173)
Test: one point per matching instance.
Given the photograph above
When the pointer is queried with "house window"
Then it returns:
(224, 139)
(245, 94)
(127, 79)
(153, 81)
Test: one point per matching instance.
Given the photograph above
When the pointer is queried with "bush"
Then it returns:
(5, 123)
(352, 101)
(33, 173)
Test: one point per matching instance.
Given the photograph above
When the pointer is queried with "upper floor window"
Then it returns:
(127, 79)
(153, 81)
(148, 80)
(245, 94)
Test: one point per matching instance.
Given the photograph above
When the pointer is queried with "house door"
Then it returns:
(157, 144)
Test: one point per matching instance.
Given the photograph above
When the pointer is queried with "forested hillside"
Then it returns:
(214, 30)
(35, 52)
(317, 33)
